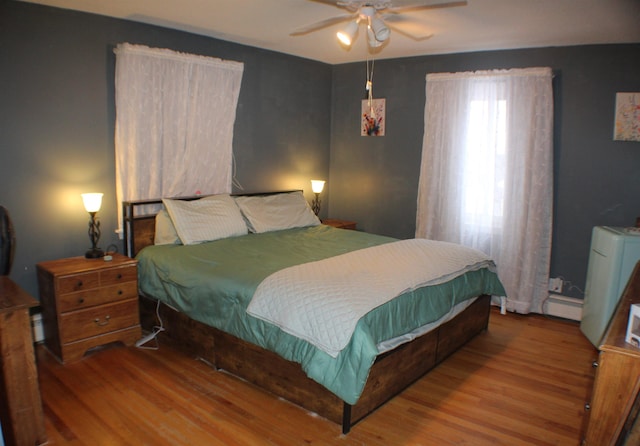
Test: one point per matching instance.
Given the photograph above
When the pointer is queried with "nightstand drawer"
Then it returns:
(118, 275)
(98, 320)
(95, 279)
(99, 296)
(78, 282)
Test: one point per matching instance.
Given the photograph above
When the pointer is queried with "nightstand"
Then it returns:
(87, 303)
(342, 224)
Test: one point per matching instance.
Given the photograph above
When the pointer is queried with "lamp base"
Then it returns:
(94, 253)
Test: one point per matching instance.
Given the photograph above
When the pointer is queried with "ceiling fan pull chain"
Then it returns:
(367, 84)
(369, 87)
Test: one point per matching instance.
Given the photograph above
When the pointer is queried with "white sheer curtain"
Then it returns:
(175, 114)
(486, 178)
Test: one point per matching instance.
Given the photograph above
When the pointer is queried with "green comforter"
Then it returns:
(214, 282)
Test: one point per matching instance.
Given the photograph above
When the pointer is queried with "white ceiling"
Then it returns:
(480, 25)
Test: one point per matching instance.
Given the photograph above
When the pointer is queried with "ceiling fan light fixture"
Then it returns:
(380, 30)
(348, 34)
(373, 42)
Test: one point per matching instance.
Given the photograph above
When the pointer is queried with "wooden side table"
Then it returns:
(88, 303)
(337, 223)
(20, 407)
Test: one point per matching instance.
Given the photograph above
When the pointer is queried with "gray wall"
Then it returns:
(596, 180)
(57, 116)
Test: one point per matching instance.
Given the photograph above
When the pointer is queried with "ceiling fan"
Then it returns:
(379, 16)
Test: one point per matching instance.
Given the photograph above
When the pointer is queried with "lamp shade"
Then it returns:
(92, 201)
(380, 30)
(371, 37)
(347, 35)
(317, 186)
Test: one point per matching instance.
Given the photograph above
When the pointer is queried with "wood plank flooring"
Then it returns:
(523, 382)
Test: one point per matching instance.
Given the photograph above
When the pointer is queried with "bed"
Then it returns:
(222, 297)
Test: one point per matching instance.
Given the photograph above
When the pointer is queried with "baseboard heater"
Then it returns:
(564, 307)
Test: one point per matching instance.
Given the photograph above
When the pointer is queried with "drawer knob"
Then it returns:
(81, 300)
(120, 292)
(103, 323)
(587, 406)
(79, 283)
(595, 364)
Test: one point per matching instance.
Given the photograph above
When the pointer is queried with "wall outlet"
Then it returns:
(555, 285)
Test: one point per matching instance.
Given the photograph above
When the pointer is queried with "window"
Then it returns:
(486, 174)
(484, 165)
(175, 114)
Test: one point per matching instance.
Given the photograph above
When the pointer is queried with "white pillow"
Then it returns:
(205, 219)
(165, 231)
(266, 213)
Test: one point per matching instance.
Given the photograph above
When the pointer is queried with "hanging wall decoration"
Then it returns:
(373, 119)
(627, 125)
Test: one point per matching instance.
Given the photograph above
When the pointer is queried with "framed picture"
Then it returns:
(373, 117)
(627, 125)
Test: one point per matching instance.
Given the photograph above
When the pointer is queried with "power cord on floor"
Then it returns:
(141, 343)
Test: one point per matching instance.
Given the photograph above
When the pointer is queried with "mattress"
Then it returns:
(214, 283)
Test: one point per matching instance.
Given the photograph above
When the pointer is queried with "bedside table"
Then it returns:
(87, 303)
(337, 223)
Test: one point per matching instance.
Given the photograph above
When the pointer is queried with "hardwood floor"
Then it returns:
(523, 382)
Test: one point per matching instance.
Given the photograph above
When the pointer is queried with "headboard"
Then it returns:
(139, 229)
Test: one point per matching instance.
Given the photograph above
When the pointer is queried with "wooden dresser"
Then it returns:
(88, 303)
(615, 400)
(20, 404)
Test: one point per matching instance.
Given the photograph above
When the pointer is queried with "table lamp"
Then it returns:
(92, 203)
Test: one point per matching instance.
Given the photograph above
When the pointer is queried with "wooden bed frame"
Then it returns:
(391, 373)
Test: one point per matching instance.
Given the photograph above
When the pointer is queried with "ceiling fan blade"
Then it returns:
(328, 2)
(322, 24)
(349, 5)
(409, 28)
(413, 6)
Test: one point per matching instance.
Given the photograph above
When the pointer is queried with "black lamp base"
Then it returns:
(315, 204)
(94, 253)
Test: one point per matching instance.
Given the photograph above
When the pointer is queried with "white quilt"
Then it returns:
(322, 302)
